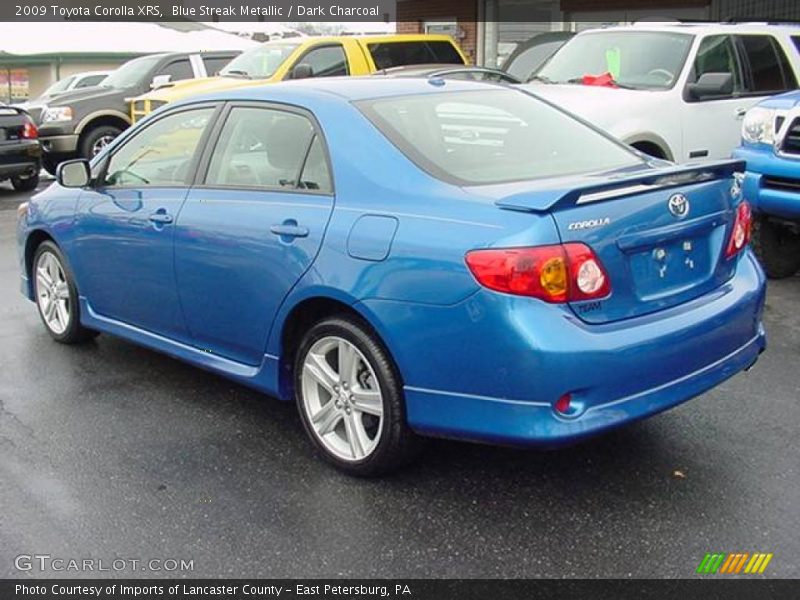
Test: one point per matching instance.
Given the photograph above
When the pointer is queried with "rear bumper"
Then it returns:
(19, 159)
(500, 377)
(770, 198)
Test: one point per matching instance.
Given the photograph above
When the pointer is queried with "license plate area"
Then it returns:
(671, 266)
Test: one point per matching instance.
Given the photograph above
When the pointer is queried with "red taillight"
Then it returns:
(559, 273)
(742, 227)
(562, 404)
(29, 131)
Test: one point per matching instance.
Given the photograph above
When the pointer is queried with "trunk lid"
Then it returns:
(661, 234)
(12, 121)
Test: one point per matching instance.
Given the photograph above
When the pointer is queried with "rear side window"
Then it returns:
(768, 67)
(492, 136)
(267, 148)
(398, 54)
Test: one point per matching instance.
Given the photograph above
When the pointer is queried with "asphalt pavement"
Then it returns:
(111, 451)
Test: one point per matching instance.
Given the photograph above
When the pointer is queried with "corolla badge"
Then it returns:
(678, 205)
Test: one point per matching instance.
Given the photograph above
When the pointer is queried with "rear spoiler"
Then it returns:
(6, 110)
(594, 189)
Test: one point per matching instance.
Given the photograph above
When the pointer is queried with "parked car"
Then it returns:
(471, 280)
(298, 58)
(20, 152)
(82, 122)
(771, 147)
(676, 91)
(78, 81)
(529, 56)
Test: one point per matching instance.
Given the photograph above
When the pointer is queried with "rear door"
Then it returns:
(251, 227)
(661, 244)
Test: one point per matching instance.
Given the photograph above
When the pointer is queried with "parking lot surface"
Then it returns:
(112, 451)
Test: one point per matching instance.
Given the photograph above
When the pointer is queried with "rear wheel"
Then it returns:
(350, 399)
(777, 247)
(57, 296)
(25, 184)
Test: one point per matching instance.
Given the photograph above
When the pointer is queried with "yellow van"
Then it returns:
(297, 58)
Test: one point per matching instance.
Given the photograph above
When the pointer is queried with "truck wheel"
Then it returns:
(25, 184)
(50, 163)
(777, 248)
(96, 139)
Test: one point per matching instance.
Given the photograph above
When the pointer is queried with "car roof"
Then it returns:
(701, 28)
(348, 89)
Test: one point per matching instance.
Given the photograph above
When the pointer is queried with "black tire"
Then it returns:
(777, 248)
(50, 163)
(25, 184)
(397, 445)
(91, 137)
(74, 333)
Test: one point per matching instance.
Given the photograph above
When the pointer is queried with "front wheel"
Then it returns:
(777, 247)
(57, 296)
(350, 399)
(97, 139)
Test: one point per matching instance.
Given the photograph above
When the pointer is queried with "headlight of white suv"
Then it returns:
(758, 126)
(57, 113)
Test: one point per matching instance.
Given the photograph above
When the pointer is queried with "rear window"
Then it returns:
(397, 54)
(492, 136)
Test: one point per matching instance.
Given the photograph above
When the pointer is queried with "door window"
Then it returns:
(718, 55)
(769, 69)
(327, 61)
(397, 54)
(178, 70)
(160, 154)
(215, 64)
(316, 175)
(90, 80)
(267, 148)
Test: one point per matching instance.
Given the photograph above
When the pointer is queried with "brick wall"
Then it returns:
(411, 15)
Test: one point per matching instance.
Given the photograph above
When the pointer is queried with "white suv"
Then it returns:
(676, 91)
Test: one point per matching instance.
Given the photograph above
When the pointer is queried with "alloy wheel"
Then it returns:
(52, 293)
(342, 399)
(101, 143)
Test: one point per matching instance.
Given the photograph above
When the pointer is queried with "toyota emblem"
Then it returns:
(678, 205)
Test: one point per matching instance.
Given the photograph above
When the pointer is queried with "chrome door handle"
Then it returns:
(160, 217)
(289, 230)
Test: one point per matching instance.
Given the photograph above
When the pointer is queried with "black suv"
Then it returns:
(20, 152)
(80, 123)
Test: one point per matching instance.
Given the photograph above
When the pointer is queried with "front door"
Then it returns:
(124, 254)
(251, 227)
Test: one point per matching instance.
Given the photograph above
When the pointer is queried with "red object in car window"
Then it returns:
(606, 79)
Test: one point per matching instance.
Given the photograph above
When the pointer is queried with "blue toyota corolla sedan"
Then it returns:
(405, 258)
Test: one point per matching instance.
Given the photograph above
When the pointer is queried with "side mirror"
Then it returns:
(160, 81)
(74, 173)
(711, 84)
(302, 71)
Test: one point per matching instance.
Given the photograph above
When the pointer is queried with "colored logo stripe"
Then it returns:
(730, 563)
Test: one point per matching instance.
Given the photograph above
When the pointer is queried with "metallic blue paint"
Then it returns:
(216, 287)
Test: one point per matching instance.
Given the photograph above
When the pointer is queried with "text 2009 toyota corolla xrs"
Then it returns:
(405, 258)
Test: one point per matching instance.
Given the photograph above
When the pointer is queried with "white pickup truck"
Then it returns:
(675, 91)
